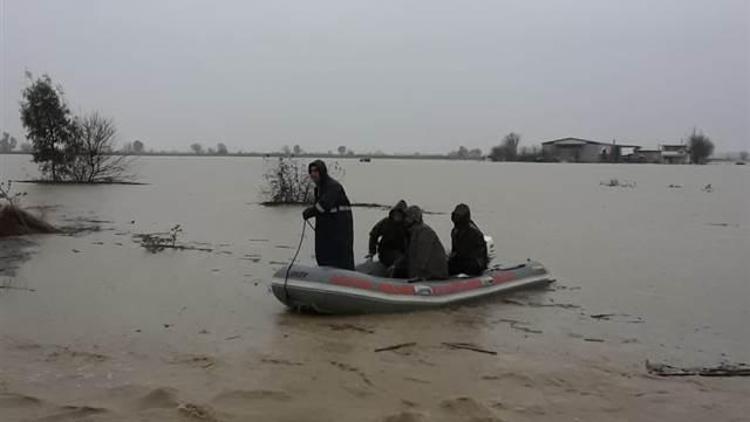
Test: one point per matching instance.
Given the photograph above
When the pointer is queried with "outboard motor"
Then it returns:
(490, 247)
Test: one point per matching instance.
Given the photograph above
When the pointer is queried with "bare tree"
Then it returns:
(221, 149)
(95, 161)
(7, 142)
(700, 147)
(461, 154)
(743, 155)
(197, 148)
(510, 144)
(508, 150)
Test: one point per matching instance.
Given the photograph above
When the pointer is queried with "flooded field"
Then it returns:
(92, 325)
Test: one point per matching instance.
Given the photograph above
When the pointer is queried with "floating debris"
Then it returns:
(469, 346)
(351, 327)
(7, 284)
(616, 183)
(277, 263)
(722, 370)
(611, 316)
(157, 242)
(723, 225)
(395, 347)
(540, 305)
(519, 325)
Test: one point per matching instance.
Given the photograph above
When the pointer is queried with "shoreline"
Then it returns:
(443, 157)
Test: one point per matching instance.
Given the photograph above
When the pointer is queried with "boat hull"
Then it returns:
(335, 291)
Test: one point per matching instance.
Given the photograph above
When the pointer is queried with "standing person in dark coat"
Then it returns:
(388, 237)
(469, 250)
(334, 227)
(425, 257)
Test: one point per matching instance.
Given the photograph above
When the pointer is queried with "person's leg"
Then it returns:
(373, 268)
(400, 268)
(473, 268)
(454, 266)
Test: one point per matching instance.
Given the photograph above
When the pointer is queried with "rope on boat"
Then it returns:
(305, 223)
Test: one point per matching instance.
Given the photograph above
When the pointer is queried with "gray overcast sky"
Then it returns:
(391, 75)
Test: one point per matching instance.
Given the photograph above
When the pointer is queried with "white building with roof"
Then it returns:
(578, 150)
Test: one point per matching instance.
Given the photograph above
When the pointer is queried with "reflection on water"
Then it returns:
(653, 269)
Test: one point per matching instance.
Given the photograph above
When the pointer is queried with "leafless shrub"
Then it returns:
(287, 181)
(7, 194)
(95, 160)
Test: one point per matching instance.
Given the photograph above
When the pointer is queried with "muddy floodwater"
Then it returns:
(95, 327)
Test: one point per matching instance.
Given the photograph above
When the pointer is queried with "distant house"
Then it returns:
(675, 154)
(577, 150)
(652, 156)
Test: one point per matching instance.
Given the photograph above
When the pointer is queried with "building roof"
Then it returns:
(573, 141)
(627, 146)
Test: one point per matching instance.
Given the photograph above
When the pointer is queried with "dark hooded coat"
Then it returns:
(334, 227)
(426, 257)
(468, 249)
(388, 238)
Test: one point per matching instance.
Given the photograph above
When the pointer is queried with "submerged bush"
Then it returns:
(615, 183)
(14, 220)
(287, 181)
(157, 242)
(7, 194)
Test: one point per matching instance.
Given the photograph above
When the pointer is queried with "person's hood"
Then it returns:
(413, 215)
(399, 207)
(461, 215)
(322, 169)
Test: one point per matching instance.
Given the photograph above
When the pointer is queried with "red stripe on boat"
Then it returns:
(471, 284)
(359, 283)
(456, 286)
(397, 289)
(449, 287)
(503, 277)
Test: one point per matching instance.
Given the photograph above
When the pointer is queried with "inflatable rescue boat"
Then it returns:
(335, 291)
